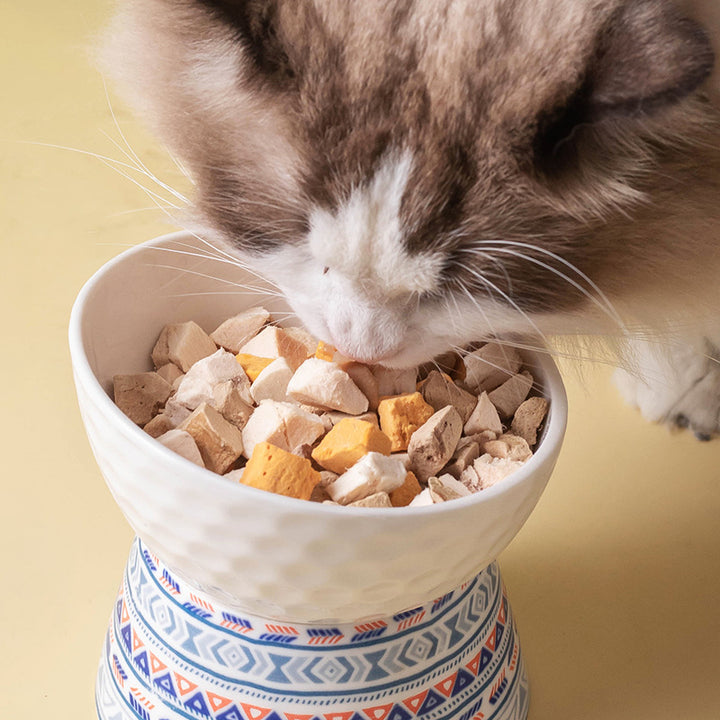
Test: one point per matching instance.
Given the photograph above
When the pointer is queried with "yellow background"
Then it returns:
(614, 580)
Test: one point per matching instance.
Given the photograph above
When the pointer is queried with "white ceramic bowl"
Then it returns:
(269, 555)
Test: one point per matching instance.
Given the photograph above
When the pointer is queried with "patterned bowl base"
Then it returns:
(172, 652)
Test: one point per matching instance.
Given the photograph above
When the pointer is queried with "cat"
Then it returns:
(416, 174)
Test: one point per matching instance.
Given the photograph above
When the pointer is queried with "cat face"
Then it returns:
(417, 175)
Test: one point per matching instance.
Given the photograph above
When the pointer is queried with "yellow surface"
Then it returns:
(615, 579)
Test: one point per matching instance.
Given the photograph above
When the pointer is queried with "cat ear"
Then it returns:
(255, 24)
(649, 57)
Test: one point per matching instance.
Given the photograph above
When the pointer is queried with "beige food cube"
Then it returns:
(433, 444)
(490, 366)
(219, 441)
(274, 342)
(240, 329)
(141, 396)
(183, 344)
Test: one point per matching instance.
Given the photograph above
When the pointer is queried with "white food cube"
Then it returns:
(274, 342)
(284, 425)
(491, 471)
(240, 329)
(422, 499)
(182, 443)
(371, 474)
(446, 487)
(272, 382)
(323, 384)
(483, 417)
(197, 385)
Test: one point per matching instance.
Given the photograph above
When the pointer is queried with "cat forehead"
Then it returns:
(362, 240)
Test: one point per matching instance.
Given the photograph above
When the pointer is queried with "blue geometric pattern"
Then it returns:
(172, 652)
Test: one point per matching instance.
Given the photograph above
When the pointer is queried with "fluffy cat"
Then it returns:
(418, 174)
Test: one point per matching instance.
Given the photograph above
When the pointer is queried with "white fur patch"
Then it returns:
(363, 240)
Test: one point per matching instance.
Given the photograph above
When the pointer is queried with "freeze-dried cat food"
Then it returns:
(277, 410)
(276, 470)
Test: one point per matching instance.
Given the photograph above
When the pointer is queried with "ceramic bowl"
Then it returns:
(266, 554)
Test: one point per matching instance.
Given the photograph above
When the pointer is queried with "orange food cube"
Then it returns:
(347, 442)
(325, 352)
(252, 364)
(275, 470)
(401, 415)
(404, 495)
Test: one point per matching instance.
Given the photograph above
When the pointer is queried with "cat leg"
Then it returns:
(677, 383)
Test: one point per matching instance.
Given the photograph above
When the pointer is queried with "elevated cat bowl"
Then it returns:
(243, 605)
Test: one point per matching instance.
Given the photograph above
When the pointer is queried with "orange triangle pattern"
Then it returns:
(183, 684)
(490, 642)
(414, 703)
(254, 712)
(474, 664)
(379, 712)
(137, 642)
(217, 702)
(339, 716)
(445, 687)
(155, 664)
(501, 615)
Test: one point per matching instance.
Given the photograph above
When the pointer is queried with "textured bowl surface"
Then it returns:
(266, 554)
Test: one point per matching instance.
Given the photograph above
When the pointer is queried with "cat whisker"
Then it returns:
(479, 307)
(264, 291)
(609, 308)
(529, 365)
(510, 301)
(223, 256)
(155, 197)
(142, 169)
(246, 290)
(149, 208)
(604, 307)
(131, 155)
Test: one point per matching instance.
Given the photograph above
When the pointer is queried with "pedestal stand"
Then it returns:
(174, 652)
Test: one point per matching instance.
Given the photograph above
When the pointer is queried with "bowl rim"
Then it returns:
(552, 440)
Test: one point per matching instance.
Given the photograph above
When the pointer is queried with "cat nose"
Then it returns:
(365, 347)
(368, 358)
(362, 332)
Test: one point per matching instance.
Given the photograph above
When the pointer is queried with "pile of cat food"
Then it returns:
(274, 409)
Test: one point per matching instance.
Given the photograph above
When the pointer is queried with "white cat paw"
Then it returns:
(680, 389)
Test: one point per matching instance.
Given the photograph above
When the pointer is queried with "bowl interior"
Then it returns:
(274, 556)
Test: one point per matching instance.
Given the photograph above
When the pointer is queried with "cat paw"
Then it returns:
(684, 394)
